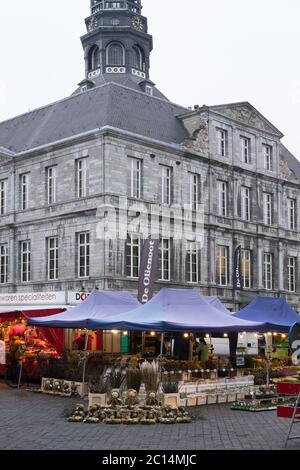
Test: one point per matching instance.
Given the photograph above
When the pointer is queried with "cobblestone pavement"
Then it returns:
(32, 421)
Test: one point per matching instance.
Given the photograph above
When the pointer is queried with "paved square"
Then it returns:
(33, 421)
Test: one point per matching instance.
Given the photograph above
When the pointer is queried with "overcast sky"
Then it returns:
(205, 52)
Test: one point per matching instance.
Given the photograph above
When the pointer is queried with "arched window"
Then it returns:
(115, 54)
(94, 58)
(139, 58)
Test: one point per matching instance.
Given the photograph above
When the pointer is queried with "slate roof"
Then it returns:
(293, 163)
(108, 105)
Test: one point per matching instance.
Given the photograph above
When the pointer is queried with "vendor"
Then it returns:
(79, 342)
(203, 350)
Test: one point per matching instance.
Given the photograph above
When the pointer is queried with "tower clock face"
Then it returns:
(137, 23)
(92, 25)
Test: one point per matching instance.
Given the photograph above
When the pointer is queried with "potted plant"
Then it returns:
(150, 376)
(98, 391)
(171, 395)
(133, 379)
(116, 379)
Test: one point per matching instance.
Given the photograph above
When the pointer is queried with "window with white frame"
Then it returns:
(268, 271)
(135, 178)
(25, 250)
(24, 191)
(246, 150)
(222, 266)
(268, 208)
(52, 260)
(83, 254)
(245, 203)
(166, 184)
(192, 263)
(81, 177)
(3, 263)
(268, 157)
(222, 142)
(133, 252)
(149, 90)
(222, 198)
(51, 184)
(3, 197)
(164, 260)
(292, 274)
(291, 214)
(246, 268)
(194, 185)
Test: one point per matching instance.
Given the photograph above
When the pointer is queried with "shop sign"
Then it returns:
(75, 298)
(33, 298)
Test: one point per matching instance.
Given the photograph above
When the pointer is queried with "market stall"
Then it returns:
(40, 342)
(275, 314)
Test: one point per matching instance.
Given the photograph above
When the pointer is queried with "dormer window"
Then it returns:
(149, 90)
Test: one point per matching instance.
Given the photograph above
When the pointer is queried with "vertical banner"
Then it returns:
(148, 269)
(237, 269)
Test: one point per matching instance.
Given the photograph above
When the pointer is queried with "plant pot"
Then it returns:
(97, 399)
(222, 398)
(83, 389)
(240, 395)
(211, 399)
(231, 397)
(171, 399)
(202, 400)
(191, 400)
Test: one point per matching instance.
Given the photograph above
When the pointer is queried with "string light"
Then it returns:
(207, 336)
(283, 336)
(225, 335)
(114, 332)
(152, 333)
(125, 333)
(269, 334)
(186, 335)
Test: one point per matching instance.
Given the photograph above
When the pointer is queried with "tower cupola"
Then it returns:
(117, 42)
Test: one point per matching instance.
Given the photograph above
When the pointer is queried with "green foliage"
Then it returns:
(170, 387)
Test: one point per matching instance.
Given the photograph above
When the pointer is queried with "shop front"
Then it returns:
(16, 308)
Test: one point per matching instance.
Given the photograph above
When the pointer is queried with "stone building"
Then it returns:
(65, 167)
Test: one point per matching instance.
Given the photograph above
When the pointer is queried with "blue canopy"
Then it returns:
(216, 302)
(98, 305)
(275, 314)
(177, 310)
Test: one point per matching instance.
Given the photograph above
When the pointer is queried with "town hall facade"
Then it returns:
(64, 166)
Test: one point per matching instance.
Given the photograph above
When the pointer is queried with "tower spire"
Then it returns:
(117, 44)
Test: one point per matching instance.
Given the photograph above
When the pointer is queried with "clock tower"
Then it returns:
(117, 45)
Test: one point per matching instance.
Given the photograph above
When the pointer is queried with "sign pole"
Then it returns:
(85, 360)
